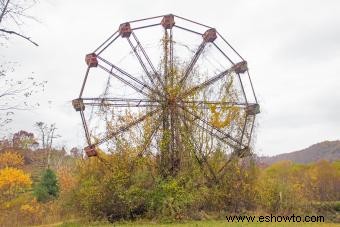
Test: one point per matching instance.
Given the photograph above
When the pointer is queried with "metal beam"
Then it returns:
(140, 90)
(146, 26)
(84, 82)
(147, 59)
(126, 127)
(87, 134)
(114, 39)
(192, 63)
(193, 21)
(187, 29)
(126, 74)
(101, 45)
(223, 136)
(206, 83)
(121, 102)
(204, 158)
(205, 104)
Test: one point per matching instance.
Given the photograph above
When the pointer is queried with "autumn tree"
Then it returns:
(324, 181)
(13, 181)
(23, 139)
(11, 159)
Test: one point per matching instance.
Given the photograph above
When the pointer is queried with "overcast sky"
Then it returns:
(292, 48)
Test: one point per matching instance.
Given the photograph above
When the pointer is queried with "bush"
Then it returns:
(169, 199)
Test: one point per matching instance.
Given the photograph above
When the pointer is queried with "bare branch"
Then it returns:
(18, 34)
(4, 11)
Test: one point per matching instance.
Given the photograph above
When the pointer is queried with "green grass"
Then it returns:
(220, 223)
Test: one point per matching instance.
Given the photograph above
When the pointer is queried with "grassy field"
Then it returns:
(194, 224)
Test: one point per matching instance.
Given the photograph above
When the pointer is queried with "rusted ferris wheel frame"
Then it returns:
(126, 30)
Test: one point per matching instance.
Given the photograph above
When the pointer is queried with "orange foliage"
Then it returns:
(66, 179)
(11, 159)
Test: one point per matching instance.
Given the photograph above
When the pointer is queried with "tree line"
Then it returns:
(119, 187)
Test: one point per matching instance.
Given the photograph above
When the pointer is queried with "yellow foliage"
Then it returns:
(230, 114)
(11, 159)
(13, 180)
(31, 208)
(23, 210)
(223, 115)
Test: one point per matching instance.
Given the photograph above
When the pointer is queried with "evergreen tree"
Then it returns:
(48, 187)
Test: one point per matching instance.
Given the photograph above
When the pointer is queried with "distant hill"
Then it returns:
(327, 150)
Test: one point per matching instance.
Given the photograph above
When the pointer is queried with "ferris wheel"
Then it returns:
(173, 86)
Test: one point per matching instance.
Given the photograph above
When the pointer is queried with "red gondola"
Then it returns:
(168, 21)
(78, 104)
(90, 151)
(210, 35)
(125, 30)
(91, 60)
(240, 67)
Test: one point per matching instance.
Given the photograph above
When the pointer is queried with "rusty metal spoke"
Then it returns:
(223, 136)
(134, 86)
(114, 37)
(155, 73)
(192, 63)
(150, 137)
(205, 104)
(126, 127)
(206, 83)
(200, 160)
(121, 102)
(123, 74)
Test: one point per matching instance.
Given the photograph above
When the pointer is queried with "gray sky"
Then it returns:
(292, 48)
